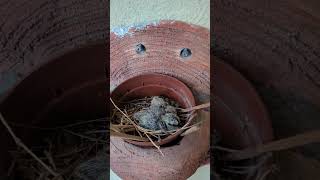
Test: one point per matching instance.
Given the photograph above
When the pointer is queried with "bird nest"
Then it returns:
(73, 151)
(151, 119)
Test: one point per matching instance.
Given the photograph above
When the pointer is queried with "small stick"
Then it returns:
(59, 127)
(128, 136)
(114, 128)
(139, 133)
(224, 149)
(12, 166)
(266, 173)
(97, 131)
(122, 126)
(201, 106)
(51, 161)
(158, 147)
(134, 122)
(22, 145)
(85, 137)
(278, 145)
(131, 121)
(124, 114)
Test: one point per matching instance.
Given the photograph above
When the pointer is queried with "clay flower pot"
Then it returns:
(178, 50)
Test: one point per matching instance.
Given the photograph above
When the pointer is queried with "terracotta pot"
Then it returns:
(163, 43)
(240, 117)
(153, 84)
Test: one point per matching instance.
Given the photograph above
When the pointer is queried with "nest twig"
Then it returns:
(50, 162)
(23, 146)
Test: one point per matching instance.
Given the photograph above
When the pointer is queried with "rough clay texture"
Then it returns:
(125, 13)
(276, 45)
(33, 33)
(163, 44)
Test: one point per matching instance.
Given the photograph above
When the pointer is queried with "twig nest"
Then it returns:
(160, 115)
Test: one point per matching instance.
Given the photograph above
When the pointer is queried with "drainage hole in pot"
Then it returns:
(140, 48)
(185, 53)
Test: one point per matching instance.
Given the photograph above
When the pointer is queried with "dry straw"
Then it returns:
(124, 125)
(58, 161)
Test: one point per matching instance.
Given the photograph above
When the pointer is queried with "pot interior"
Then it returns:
(241, 120)
(153, 84)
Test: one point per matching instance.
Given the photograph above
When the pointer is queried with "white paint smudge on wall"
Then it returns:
(127, 30)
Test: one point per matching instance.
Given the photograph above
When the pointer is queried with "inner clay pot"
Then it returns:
(241, 120)
(153, 84)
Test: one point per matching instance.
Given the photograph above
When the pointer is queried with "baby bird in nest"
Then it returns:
(160, 115)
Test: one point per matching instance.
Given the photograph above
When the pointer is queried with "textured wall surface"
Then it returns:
(128, 12)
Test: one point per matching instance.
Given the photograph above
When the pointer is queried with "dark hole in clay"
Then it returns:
(140, 48)
(185, 53)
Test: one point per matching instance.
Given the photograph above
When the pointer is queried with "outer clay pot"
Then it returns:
(163, 43)
(155, 85)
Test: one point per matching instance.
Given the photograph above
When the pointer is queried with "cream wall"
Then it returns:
(129, 12)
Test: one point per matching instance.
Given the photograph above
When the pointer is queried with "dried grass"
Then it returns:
(61, 160)
(67, 151)
(124, 125)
